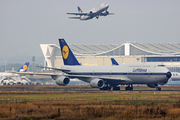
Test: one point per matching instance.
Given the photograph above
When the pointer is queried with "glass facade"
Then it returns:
(174, 69)
(136, 51)
(117, 52)
(163, 59)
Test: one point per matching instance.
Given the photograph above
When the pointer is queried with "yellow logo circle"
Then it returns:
(65, 52)
(25, 67)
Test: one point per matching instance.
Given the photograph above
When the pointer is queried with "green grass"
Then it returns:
(93, 104)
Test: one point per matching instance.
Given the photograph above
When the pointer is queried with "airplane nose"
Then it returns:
(168, 75)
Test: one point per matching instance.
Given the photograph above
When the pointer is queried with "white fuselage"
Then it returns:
(137, 73)
(95, 12)
(6, 74)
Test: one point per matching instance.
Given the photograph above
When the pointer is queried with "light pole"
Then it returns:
(33, 59)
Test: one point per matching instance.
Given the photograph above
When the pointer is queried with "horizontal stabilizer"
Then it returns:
(45, 74)
(77, 13)
(74, 17)
(111, 14)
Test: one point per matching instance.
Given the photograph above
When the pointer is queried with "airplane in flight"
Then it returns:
(108, 77)
(96, 12)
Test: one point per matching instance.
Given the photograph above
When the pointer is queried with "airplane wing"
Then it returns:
(111, 14)
(107, 79)
(46, 74)
(58, 69)
(77, 13)
(74, 17)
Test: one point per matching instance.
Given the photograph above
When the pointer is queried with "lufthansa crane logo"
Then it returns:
(25, 67)
(65, 52)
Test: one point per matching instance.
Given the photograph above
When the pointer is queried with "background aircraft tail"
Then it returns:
(114, 62)
(24, 67)
(67, 55)
(79, 9)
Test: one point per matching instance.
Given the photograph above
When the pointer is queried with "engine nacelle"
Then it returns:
(90, 13)
(97, 83)
(105, 13)
(62, 81)
(152, 85)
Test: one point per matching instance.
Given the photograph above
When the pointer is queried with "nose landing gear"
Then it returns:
(129, 87)
(158, 89)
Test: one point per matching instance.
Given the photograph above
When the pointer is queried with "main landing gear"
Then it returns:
(107, 87)
(115, 88)
(129, 87)
(158, 89)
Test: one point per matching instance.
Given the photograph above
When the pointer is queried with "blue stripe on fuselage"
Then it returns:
(117, 73)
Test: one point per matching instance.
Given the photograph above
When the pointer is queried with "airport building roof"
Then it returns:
(132, 52)
(126, 49)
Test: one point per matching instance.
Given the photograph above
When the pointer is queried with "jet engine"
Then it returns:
(90, 13)
(152, 85)
(105, 13)
(62, 81)
(97, 83)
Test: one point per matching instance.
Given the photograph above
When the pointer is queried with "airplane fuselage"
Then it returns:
(139, 73)
(95, 12)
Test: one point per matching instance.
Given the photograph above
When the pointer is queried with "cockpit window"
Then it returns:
(161, 65)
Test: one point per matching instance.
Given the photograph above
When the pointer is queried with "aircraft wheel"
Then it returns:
(116, 88)
(129, 88)
(109, 88)
(105, 88)
(158, 89)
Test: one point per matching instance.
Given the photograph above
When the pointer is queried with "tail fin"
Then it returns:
(67, 55)
(24, 67)
(79, 9)
(114, 62)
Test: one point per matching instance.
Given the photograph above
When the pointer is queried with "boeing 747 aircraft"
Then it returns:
(174, 77)
(10, 78)
(107, 77)
(96, 12)
(21, 69)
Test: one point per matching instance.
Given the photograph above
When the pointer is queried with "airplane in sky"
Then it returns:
(96, 12)
(108, 77)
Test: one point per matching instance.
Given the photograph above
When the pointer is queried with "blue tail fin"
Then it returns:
(79, 9)
(67, 55)
(24, 67)
(114, 62)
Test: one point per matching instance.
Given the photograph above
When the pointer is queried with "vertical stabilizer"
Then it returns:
(114, 62)
(79, 9)
(24, 67)
(67, 55)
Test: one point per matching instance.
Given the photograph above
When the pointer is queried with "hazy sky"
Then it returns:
(25, 24)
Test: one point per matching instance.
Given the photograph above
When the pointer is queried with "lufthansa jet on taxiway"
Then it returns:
(96, 12)
(107, 77)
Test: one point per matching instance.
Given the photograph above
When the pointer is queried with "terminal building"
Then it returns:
(100, 54)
